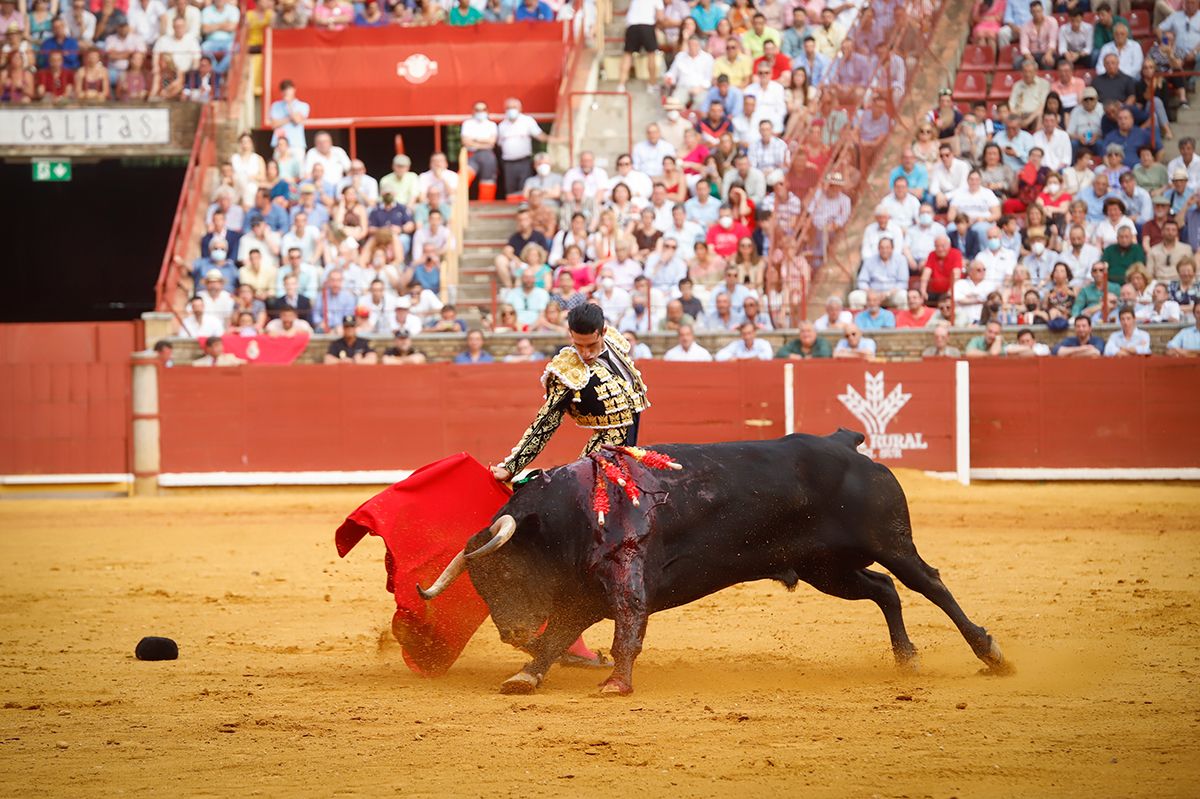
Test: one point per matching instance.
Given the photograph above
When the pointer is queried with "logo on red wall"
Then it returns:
(876, 410)
(417, 68)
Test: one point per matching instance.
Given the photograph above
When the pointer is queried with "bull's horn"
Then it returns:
(502, 530)
(456, 567)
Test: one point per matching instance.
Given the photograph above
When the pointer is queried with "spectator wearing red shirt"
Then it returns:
(917, 314)
(942, 268)
(777, 61)
(55, 81)
(723, 237)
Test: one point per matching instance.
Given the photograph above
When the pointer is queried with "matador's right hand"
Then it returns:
(501, 474)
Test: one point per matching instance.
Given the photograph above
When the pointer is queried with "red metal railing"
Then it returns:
(202, 158)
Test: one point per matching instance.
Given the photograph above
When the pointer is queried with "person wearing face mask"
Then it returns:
(516, 134)
(218, 261)
(998, 261)
(1041, 259)
(479, 136)
(544, 178)
(723, 237)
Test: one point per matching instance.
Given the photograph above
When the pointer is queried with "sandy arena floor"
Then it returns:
(288, 684)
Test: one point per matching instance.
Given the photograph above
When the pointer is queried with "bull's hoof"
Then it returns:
(908, 661)
(615, 686)
(996, 663)
(521, 683)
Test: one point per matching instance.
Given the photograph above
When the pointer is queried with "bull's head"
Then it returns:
(507, 577)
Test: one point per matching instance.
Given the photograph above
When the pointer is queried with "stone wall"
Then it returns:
(892, 345)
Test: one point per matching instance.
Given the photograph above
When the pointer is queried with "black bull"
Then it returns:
(796, 508)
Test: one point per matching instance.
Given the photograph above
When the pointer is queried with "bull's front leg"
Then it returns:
(560, 632)
(629, 613)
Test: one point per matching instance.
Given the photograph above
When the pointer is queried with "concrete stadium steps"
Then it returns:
(489, 224)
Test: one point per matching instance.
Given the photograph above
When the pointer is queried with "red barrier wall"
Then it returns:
(1115, 413)
(315, 417)
(64, 397)
(906, 410)
(418, 72)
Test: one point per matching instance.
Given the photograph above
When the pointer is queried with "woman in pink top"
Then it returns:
(333, 15)
(988, 19)
(717, 40)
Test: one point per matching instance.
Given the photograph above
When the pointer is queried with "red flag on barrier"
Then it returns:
(265, 349)
(425, 521)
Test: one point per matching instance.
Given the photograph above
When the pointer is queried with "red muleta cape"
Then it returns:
(425, 521)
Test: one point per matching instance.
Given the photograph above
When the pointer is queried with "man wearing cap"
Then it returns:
(350, 348)
(401, 182)
(218, 303)
(1128, 136)
(404, 319)
(402, 350)
(1084, 123)
(1188, 162)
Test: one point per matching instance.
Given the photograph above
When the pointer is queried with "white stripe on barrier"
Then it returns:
(63, 479)
(1085, 474)
(237, 479)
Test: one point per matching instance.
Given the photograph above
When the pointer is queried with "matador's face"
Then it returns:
(588, 345)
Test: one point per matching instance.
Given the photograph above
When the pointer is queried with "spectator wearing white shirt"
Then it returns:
(366, 186)
(183, 47)
(1129, 340)
(970, 293)
(439, 174)
(611, 298)
(303, 237)
(947, 176)
(748, 346)
(981, 206)
(190, 14)
(998, 261)
(902, 207)
(1185, 24)
(768, 152)
(1188, 162)
(1075, 39)
(1054, 142)
(885, 272)
(1161, 309)
(517, 132)
(145, 18)
(687, 350)
(323, 152)
(593, 178)
(198, 324)
(882, 227)
(835, 316)
(744, 125)
(770, 98)
(649, 153)
(1129, 53)
(690, 75)
(639, 184)
(479, 136)
(1079, 255)
(919, 239)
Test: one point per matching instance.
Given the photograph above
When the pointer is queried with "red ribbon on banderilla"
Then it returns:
(616, 469)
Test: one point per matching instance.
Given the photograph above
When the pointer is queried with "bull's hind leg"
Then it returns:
(919, 576)
(560, 632)
(877, 587)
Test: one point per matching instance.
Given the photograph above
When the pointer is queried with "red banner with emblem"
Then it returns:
(364, 74)
(265, 349)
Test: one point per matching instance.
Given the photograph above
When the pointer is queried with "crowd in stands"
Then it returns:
(1050, 207)
(123, 50)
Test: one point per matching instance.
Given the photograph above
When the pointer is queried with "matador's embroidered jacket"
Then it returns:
(595, 397)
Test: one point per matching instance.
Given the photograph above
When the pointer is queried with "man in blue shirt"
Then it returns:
(1130, 137)
(288, 115)
(707, 14)
(729, 96)
(59, 40)
(1084, 344)
(1094, 196)
(813, 62)
(1014, 142)
(875, 316)
(474, 353)
(793, 38)
(912, 171)
(333, 303)
(885, 272)
(533, 11)
(1186, 343)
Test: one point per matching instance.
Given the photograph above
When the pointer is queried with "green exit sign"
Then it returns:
(51, 171)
